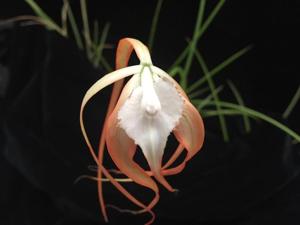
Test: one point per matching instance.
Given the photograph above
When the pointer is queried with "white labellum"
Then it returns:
(150, 114)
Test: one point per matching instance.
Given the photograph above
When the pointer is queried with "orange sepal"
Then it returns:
(190, 130)
(121, 148)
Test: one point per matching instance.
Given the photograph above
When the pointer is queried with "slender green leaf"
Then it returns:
(96, 33)
(292, 104)
(198, 92)
(193, 44)
(209, 98)
(75, 29)
(225, 112)
(210, 18)
(86, 28)
(215, 95)
(154, 24)
(219, 68)
(240, 102)
(179, 59)
(100, 47)
(64, 16)
(261, 116)
(176, 70)
(105, 64)
(200, 32)
(49, 23)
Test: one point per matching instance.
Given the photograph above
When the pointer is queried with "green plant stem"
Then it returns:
(240, 102)
(100, 47)
(219, 68)
(198, 92)
(154, 24)
(292, 104)
(214, 93)
(208, 98)
(192, 45)
(225, 112)
(86, 29)
(106, 64)
(75, 29)
(176, 70)
(64, 16)
(260, 115)
(45, 19)
(179, 59)
(96, 33)
(200, 32)
(210, 18)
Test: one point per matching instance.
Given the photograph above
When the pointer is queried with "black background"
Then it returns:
(252, 180)
(271, 27)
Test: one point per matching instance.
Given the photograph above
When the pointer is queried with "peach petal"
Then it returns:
(98, 86)
(121, 148)
(124, 50)
(190, 130)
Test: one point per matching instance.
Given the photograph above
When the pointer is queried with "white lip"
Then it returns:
(150, 114)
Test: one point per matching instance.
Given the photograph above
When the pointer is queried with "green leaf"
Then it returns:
(49, 23)
(100, 47)
(75, 29)
(225, 112)
(176, 70)
(179, 59)
(210, 18)
(241, 102)
(86, 29)
(198, 92)
(193, 44)
(219, 68)
(96, 33)
(200, 31)
(154, 24)
(208, 98)
(214, 93)
(259, 115)
(64, 16)
(292, 104)
(105, 64)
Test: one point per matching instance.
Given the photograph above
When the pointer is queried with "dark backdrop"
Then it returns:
(268, 71)
(252, 180)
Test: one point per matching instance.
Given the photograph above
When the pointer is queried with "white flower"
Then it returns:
(149, 107)
(150, 114)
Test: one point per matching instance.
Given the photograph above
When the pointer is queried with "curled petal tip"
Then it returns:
(190, 130)
(122, 148)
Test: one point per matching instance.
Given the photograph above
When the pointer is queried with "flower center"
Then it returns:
(150, 103)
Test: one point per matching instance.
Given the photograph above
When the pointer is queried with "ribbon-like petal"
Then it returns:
(98, 86)
(190, 130)
(121, 148)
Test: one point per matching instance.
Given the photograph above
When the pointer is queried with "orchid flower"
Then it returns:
(143, 113)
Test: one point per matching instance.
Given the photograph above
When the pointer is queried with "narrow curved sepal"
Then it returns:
(190, 130)
(122, 149)
(98, 86)
(125, 48)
